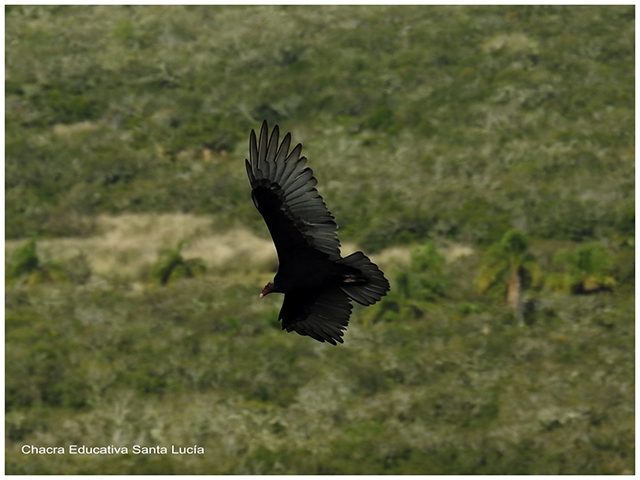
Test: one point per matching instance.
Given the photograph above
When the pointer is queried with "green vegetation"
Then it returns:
(585, 269)
(509, 267)
(462, 147)
(455, 121)
(415, 288)
(26, 267)
(172, 266)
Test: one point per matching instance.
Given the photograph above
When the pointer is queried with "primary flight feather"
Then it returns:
(317, 282)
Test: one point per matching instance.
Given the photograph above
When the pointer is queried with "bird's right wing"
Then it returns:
(284, 193)
(322, 316)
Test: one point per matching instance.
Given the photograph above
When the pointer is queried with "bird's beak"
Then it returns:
(268, 288)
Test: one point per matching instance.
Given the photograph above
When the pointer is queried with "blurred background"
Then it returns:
(483, 157)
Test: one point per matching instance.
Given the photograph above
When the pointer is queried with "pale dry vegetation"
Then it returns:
(126, 245)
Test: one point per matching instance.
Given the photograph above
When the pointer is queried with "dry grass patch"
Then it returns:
(128, 244)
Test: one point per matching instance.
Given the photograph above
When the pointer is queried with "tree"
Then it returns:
(510, 266)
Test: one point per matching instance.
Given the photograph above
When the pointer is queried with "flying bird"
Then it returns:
(318, 284)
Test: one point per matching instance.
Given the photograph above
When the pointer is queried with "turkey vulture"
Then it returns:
(317, 282)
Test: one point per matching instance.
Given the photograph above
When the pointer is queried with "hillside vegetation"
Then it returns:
(457, 121)
(134, 254)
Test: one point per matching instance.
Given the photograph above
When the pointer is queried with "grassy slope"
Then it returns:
(449, 392)
(452, 122)
(485, 117)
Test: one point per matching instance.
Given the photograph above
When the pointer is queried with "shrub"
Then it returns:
(25, 266)
(172, 266)
(412, 290)
(584, 269)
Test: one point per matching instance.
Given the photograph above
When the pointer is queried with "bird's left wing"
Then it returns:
(284, 192)
(322, 316)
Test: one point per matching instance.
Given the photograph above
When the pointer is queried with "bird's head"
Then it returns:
(269, 287)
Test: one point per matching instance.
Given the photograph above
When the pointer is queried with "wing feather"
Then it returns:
(291, 162)
(292, 184)
(249, 171)
(283, 150)
(302, 196)
(253, 154)
(263, 166)
(273, 147)
(281, 157)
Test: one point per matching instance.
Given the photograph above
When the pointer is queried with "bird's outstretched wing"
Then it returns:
(320, 315)
(284, 193)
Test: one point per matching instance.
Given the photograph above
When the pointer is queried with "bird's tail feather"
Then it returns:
(375, 286)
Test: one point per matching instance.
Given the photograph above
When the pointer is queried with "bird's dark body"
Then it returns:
(317, 282)
(317, 272)
(303, 267)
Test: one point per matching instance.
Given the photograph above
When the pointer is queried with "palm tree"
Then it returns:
(508, 264)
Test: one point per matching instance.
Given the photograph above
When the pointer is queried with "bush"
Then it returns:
(583, 269)
(413, 290)
(25, 266)
(171, 266)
